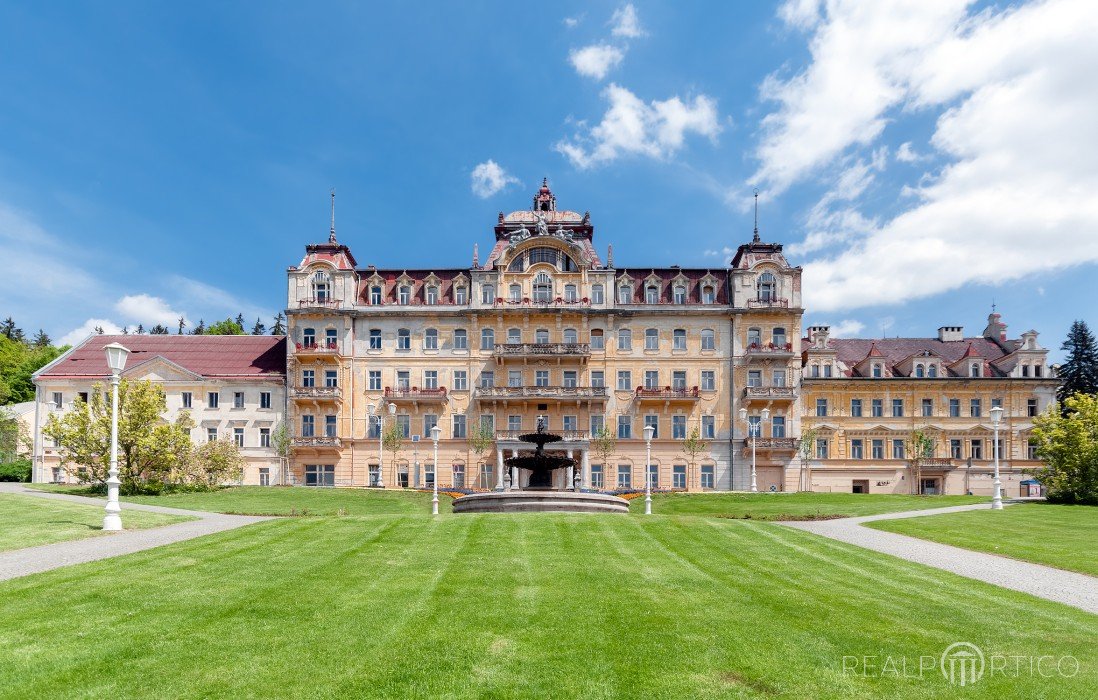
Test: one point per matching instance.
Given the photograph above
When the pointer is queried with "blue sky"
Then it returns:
(920, 159)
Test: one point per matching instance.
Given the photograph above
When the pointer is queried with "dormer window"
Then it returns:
(709, 296)
(459, 295)
(625, 294)
(767, 287)
(375, 296)
(322, 287)
(652, 294)
(543, 288)
(680, 294)
(974, 369)
(1036, 370)
(920, 371)
(404, 295)
(432, 294)
(932, 371)
(878, 370)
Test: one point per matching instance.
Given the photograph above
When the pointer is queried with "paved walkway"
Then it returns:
(1068, 587)
(33, 560)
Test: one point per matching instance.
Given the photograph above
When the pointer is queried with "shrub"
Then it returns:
(19, 470)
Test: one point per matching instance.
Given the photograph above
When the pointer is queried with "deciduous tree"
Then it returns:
(1068, 443)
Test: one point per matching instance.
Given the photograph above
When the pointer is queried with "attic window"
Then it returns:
(878, 371)
(920, 371)
(932, 371)
(974, 369)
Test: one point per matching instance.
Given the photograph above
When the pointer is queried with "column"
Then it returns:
(499, 468)
(514, 472)
(569, 473)
(585, 465)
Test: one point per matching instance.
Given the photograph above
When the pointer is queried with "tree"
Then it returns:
(18, 362)
(604, 446)
(7, 328)
(14, 438)
(1068, 443)
(182, 325)
(125, 330)
(215, 463)
(259, 328)
(1079, 372)
(240, 321)
(806, 449)
(140, 329)
(692, 446)
(226, 327)
(392, 441)
(41, 340)
(920, 447)
(482, 438)
(200, 329)
(279, 327)
(159, 329)
(149, 448)
(99, 330)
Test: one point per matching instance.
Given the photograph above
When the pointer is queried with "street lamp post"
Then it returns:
(116, 360)
(649, 431)
(997, 497)
(435, 433)
(754, 429)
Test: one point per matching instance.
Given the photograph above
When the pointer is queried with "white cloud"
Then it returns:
(148, 310)
(847, 328)
(1015, 97)
(632, 127)
(724, 252)
(595, 61)
(802, 14)
(488, 178)
(77, 334)
(625, 23)
(572, 22)
(906, 154)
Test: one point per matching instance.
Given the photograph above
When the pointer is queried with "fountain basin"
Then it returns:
(540, 502)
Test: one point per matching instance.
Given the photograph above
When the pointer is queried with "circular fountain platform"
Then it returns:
(540, 502)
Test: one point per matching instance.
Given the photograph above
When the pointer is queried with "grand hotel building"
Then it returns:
(544, 327)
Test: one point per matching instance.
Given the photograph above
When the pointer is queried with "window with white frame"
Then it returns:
(680, 294)
(543, 287)
(598, 423)
(779, 377)
(678, 380)
(625, 339)
(211, 434)
(330, 426)
(541, 336)
(678, 427)
(651, 294)
(570, 424)
(678, 476)
(375, 295)
(708, 476)
(514, 377)
(308, 378)
(405, 423)
(625, 427)
(331, 378)
(625, 380)
(322, 287)
(766, 287)
(404, 294)
(514, 423)
(514, 292)
(625, 294)
(653, 421)
(459, 295)
(570, 335)
(709, 295)
(651, 339)
(430, 339)
(264, 437)
(404, 380)
(238, 437)
(541, 377)
(404, 339)
(514, 336)
(754, 377)
(570, 293)
(308, 426)
(625, 476)
(430, 379)
(212, 399)
(777, 427)
(571, 378)
(709, 427)
(308, 337)
(487, 294)
(487, 339)
(461, 380)
(187, 397)
(708, 339)
(678, 339)
(432, 294)
(487, 379)
(651, 379)
(598, 339)
(238, 399)
(596, 476)
(375, 339)
(373, 378)
(430, 420)
(597, 294)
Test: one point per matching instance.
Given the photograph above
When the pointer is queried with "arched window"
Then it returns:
(515, 292)
(570, 335)
(308, 337)
(680, 294)
(404, 295)
(932, 371)
(461, 339)
(487, 294)
(543, 287)
(778, 335)
(570, 293)
(878, 371)
(766, 287)
(459, 295)
(651, 294)
(375, 295)
(651, 339)
(754, 338)
(974, 369)
(487, 339)
(709, 296)
(518, 264)
(625, 294)
(709, 339)
(625, 339)
(432, 294)
(598, 339)
(551, 256)
(404, 339)
(920, 371)
(597, 294)
(678, 339)
(430, 339)
(322, 286)
(514, 336)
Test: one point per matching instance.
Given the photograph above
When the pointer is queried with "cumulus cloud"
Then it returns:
(625, 23)
(631, 126)
(1015, 98)
(906, 154)
(595, 61)
(77, 334)
(489, 177)
(847, 328)
(147, 310)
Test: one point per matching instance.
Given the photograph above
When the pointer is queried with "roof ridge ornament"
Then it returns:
(755, 239)
(332, 231)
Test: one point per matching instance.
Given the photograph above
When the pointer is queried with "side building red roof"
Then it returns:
(212, 356)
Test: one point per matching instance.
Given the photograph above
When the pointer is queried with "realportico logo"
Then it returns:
(962, 664)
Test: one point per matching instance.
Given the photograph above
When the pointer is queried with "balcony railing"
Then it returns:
(780, 393)
(541, 392)
(543, 350)
(527, 302)
(323, 442)
(774, 443)
(415, 394)
(328, 303)
(770, 349)
(936, 463)
(322, 348)
(316, 392)
(667, 393)
(566, 435)
(771, 303)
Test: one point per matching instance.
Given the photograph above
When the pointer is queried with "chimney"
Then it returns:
(951, 333)
(818, 335)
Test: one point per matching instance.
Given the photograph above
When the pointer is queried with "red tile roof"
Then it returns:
(852, 351)
(214, 356)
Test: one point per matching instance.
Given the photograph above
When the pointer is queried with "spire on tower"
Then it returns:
(476, 256)
(332, 233)
(756, 238)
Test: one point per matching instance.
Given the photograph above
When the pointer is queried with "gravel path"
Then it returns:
(1074, 589)
(33, 560)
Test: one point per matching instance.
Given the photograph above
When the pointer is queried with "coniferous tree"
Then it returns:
(17, 334)
(1080, 370)
(182, 325)
(140, 329)
(259, 328)
(125, 330)
(41, 340)
(99, 330)
(240, 320)
(7, 327)
(279, 327)
(200, 329)
(159, 329)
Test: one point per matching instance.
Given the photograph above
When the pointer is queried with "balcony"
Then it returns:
(555, 303)
(521, 393)
(541, 351)
(321, 303)
(316, 393)
(772, 444)
(769, 350)
(317, 442)
(769, 393)
(323, 349)
(667, 394)
(416, 395)
(936, 463)
(771, 303)
(565, 435)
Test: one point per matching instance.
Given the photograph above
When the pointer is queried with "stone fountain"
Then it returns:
(539, 495)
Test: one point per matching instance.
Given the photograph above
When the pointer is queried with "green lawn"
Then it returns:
(775, 506)
(289, 500)
(505, 606)
(1062, 536)
(26, 521)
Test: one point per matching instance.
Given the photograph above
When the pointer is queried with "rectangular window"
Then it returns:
(857, 449)
(707, 476)
(678, 380)
(308, 378)
(1031, 407)
(404, 380)
(625, 427)
(996, 403)
(320, 475)
(430, 379)
(878, 448)
(625, 476)
(571, 424)
(977, 449)
(856, 408)
(821, 448)
(487, 339)
(598, 422)
(1031, 449)
(430, 420)
(461, 340)
(570, 378)
(821, 408)
(678, 427)
(373, 378)
(955, 449)
(405, 423)
(308, 426)
(709, 380)
(897, 408)
(211, 434)
(597, 294)
(974, 409)
(186, 399)
(827, 371)
(954, 408)
(651, 379)
(264, 399)
(487, 380)
(877, 407)
(514, 423)
(373, 426)
(597, 380)
(709, 427)
(654, 475)
(514, 377)
(459, 426)
(654, 422)
(331, 378)
(777, 427)
(330, 426)
(928, 408)
(488, 423)
(430, 339)
(264, 437)
(264, 476)
(238, 437)
(58, 399)
(754, 377)
(779, 377)
(625, 339)
(461, 380)
(212, 399)
(678, 476)
(651, 339)
(404, 339)
(625, 380)
(375, 338)
(598, 340)
(596, 476)
(678, 339)
(898, 449)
